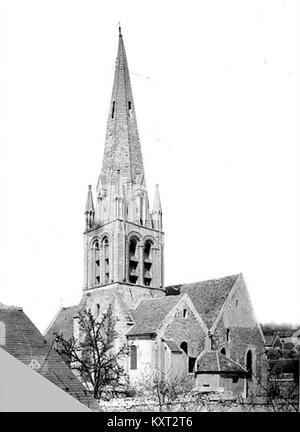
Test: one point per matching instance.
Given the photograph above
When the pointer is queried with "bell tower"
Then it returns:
(123, 238)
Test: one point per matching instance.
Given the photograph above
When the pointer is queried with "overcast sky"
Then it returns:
(216, 86)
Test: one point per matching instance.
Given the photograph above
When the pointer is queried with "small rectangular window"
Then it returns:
(227, 334)
(113, 109)
(184, 313)
(192, 361)
(129, 109)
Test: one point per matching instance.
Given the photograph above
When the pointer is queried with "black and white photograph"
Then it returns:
(150, 208)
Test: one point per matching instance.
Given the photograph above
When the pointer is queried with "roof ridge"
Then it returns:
(10, 307)
(160, 298)
(69, 307)
(204, 281)
(52, 321)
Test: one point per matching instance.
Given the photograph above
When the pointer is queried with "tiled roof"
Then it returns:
(173, 346)
(288, 346)
(24, 341)
(208, 296)
(62, 323)
(214, 361)
(150, 313)
(273, 353)
(127, 312)
(24, 390)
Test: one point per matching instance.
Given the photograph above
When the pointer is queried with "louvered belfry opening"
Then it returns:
(106, 259)
(133, 261)
(147, 263)
(96, 262)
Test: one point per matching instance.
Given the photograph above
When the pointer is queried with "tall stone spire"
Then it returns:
(123, 238)
(122, 145)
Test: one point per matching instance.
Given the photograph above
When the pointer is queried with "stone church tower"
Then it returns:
(123, 238)
(204, 328)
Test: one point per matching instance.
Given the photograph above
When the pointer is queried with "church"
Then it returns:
(205, 329)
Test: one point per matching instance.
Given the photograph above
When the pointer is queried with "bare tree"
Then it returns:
(94, 355)
(165, 389)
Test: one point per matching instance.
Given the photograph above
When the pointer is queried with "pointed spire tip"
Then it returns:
(89, 202)
(120, 31)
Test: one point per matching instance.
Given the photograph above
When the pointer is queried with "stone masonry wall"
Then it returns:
(118, 234)
(244, 335)
(123, 297)
(187, 330)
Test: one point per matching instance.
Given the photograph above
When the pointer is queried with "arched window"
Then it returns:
(249, 364)
(96, 263)
(133, 261)
(105, 244)
(147, 263)
(184, 347)
(223, 351)
(133, 357)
